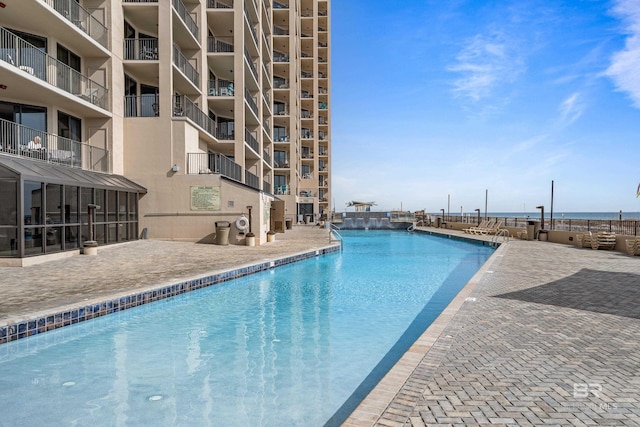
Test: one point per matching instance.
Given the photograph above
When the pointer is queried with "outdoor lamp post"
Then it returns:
(442, 214)
(541, 216)
(249, 209)
(478, 210)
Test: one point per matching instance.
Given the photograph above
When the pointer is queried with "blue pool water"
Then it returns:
(298, 345)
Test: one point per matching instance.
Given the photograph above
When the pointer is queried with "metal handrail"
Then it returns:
(81, 18)
(183, 64)
(334, 231)
(186, 18)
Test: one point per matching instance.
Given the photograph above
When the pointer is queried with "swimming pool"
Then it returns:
(288, 346)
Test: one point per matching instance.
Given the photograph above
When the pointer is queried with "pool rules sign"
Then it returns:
(205, 198)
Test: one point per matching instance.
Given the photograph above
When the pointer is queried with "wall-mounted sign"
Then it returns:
(205, 198)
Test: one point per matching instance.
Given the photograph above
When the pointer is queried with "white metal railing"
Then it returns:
(185, 66)
(186, 18)
(81, 18)
(334, 231)
(141, 49)
(219, 44)
(219, 87)
(38, 64)
(146, 105)
(32, 143)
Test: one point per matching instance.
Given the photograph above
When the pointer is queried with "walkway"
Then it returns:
(130, 267)
(544, 334)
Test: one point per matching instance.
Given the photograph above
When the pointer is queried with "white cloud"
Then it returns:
(484, 63)
(571, 109)
(625, 64)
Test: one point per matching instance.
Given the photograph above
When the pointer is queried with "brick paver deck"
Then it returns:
(545, 334)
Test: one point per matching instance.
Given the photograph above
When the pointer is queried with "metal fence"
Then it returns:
(206, 163)
(629, 227)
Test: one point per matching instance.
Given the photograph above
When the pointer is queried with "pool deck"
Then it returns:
(543, 334)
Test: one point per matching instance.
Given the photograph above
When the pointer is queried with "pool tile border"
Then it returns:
(17, 330)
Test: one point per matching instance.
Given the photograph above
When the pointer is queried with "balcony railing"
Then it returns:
(250, 139)
(280, 5)
(221, 88)
(282, 190)
(186, 18)
(185, 66)
(279, 31)
(184, 107)
(280, 57)
(251, 101)
(306, 75)
(266, 157)
(31, 143)
(226, 131)
(33, 61)
(206, 163)
(218, 4)
(251, 180)
(147, 105)
(267, 128)
(141, 49)
(219, 44)
(266, 186)
(81, 18)
(252, 66)
(251, 26)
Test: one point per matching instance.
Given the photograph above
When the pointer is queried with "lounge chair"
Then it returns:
(491, 229)
(586, 240)
(470, 230)
(605, 240)
(633, 246)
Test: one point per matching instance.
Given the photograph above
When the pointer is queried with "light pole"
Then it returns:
(478, 210)
(442, 214)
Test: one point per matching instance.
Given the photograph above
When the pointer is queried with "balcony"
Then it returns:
(251, 101)
(280, 57)
(280, 5)
(38, 64)
(251, 140)
(266, 157)
(226, 131)
(279, 31)
(141, 49)
(251, 180)
(185, 66)
(184, 107)
(221, 87)
(186, 18)
(141, 106)
(252, 66)
(219, 44)
(283, 190)
(23, 141)
(81, 18)
(306, 75)
(209, 163)
(218, 4)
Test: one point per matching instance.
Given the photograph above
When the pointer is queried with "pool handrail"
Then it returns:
(334, 231)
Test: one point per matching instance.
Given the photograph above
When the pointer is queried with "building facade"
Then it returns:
(177, 114)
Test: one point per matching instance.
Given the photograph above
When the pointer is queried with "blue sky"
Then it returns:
(438, 98)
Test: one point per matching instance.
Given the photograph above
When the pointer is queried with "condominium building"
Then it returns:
(161, 119)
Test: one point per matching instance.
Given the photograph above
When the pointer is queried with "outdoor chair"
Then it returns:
(633, 246)
(605, 240)
(586, 240)
(481, 225)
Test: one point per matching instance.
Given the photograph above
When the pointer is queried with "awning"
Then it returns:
(33, 170)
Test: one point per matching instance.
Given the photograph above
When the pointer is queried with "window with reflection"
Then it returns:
(112, 205)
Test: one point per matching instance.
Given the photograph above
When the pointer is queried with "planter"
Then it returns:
(271, 237)
(250, 239)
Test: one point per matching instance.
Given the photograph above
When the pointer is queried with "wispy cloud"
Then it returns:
(484, 63)
(625, 64)
(571, 109)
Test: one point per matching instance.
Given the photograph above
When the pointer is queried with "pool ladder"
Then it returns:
(504, 233)
(335, 232)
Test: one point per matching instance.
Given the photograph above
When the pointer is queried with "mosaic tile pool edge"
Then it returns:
(23, 329)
